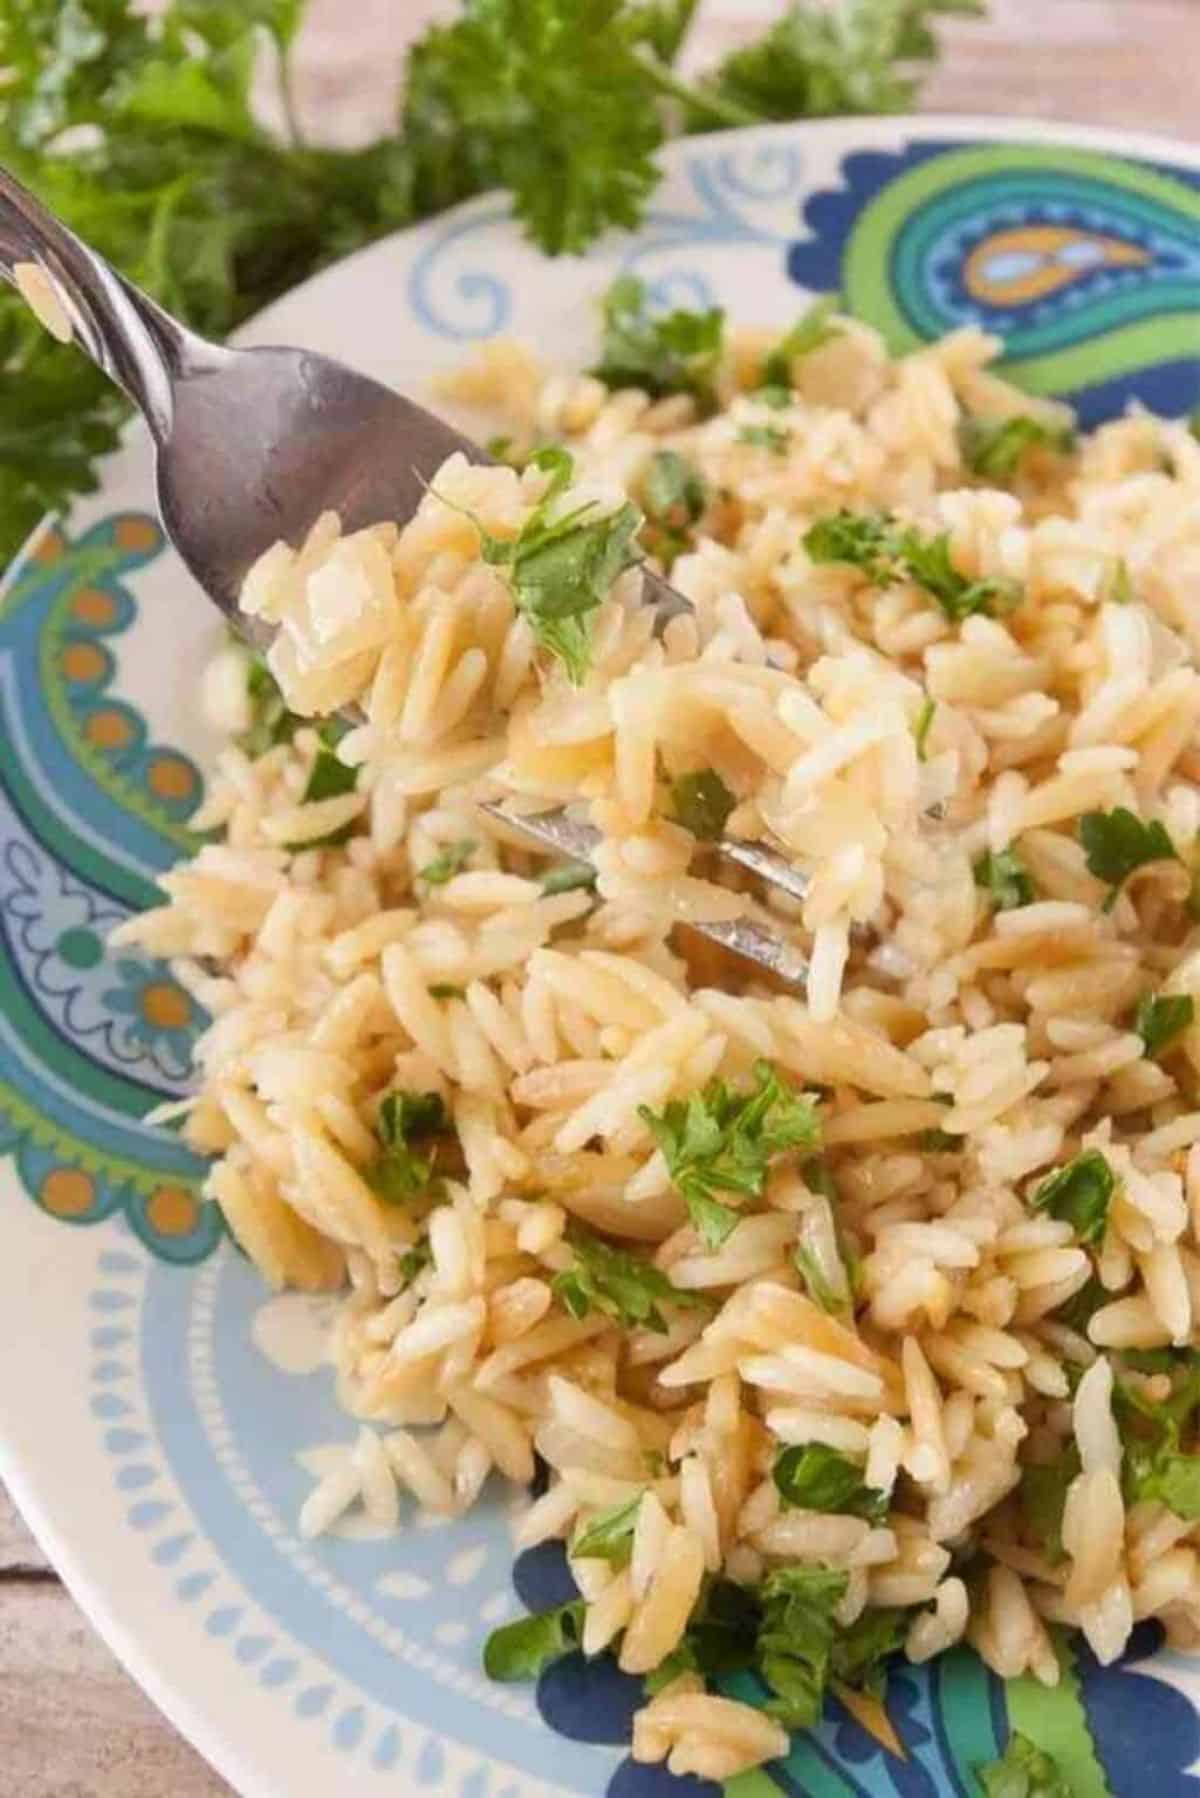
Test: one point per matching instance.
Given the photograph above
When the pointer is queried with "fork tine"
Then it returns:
(557, 830)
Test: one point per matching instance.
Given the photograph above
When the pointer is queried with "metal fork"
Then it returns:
(253, 445)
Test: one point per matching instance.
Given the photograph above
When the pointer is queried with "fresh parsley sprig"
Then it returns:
(887, 552)
(722, 1140)
(1118, 842)
(619, 1284)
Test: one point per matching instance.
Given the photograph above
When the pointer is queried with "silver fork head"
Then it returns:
(562, 834)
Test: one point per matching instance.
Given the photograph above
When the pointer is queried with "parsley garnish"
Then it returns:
(400, 1173)
(1159, 1019)
(818, 1478)
(521, 1650)
(568, 877)
(922, 727)
(812, 329)
(445, 989)
(1004, 878)
(1117, 842)
(618, 1283)
(994, 448)
(1156, 1465)
(766, 437)
(448, 862)
(609, 1535)
(1043, 1495)
(329, 778)
(1023, 1771)
(887, 552)
(721, 1140)
(270, 720)
(1080, 1193)
(560, 570)
(667, 352)
(416, 1260)
(702, 803)
(674, 497)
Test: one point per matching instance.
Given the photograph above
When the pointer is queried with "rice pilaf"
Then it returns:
(846, 1322)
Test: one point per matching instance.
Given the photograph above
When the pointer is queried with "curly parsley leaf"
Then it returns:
(448, 862)
(1004, 878)
(523, 1649)
(401, 1172)
(819, 62)
(721, 1140)
(665, 352)
(994, 449)
(1023, 1771)
(810, 331)
(1080, 1194)
(886, 552)
(1117, 842)
(818, 1478)
(618, 1283)
(609, 1535)
(674, 496)
(702, 803)
(1160, 1018)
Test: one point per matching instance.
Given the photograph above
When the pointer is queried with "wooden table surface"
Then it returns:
(72, 1724)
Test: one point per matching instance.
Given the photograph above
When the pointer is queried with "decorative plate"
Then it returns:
(161, 1416)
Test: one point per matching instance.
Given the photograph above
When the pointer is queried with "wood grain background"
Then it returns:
(72, 1725)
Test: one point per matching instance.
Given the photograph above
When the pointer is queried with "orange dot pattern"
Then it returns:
(68, 1192)
(83, 663)
(172, 1211)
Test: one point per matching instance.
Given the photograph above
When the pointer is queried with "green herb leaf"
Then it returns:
(1160, 1018)
(766, 437)
(1080, 1193)
(776, 397)
(721, 1636)
(995, 448)
(669, 352)
(1023, 1771)
(329, 778)
(1078, 1311)
(921, 728)
(1119, 588)
(1005, 879)
(618, 1283)
(415, 1260)
(568, 877)
(445, 989)
(816, 1284)
(812, 329)
(721, 1140)
(270, 720)
(887, 552)
(448, 862)
(818, 1478)
(609, 1535)
(702, 803)
(796, 1639)
(1043, 1494)
(1117, 842)
(399, 1173)
(1156, 1464)
(523, 1649)
(674, 496)
(861, 1651)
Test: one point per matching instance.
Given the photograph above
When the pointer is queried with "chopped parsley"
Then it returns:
(766, 437)
(270, 720)
(818, 1478)
(445, 989)
(1117, 842)
(400, 1172)
(887, 552)
(922, 727)
(1042, 1495)
(721, 1140)
(1023, 1771)
(609, 1535)
(1158, 1463)
(448, 862)
(1160, 1018)
(812, 329)
(329, 778)
(560, 571)
(994, 449)
(702, 803)
(1004, 878)
(1119, 588)
(568, 877)
(1080, 1194)
(674, 496)
(523, 1649)
(665, 352)
(618, 1283)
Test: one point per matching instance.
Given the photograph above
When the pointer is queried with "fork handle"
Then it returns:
(135, 343)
